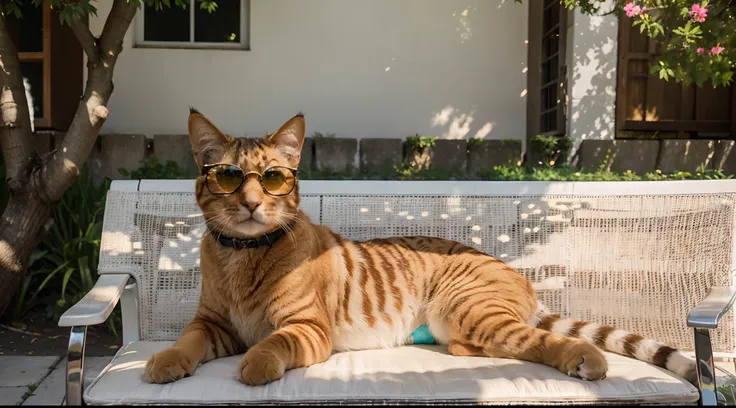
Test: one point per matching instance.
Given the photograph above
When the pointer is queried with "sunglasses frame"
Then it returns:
(207, 167)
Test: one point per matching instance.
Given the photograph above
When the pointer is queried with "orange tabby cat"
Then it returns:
(290, 301)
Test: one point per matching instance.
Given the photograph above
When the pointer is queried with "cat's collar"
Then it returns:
(241, 243)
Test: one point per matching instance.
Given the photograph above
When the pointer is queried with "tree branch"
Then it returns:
(15, 129)
(66, 163)
(86, 39)
(120, 18)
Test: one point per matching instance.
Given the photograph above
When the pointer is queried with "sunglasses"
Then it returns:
(224, 179)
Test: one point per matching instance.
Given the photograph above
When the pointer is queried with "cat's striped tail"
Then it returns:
(619, 341)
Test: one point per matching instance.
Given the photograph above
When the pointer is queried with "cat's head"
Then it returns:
(247, 187)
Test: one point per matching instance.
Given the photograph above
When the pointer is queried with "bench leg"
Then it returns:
(706, 368)
(75, 365)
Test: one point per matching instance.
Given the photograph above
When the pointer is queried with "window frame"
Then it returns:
(44, 57)
(535, 87)
(242, 45)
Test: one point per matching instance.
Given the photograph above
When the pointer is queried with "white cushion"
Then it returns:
(407, 374)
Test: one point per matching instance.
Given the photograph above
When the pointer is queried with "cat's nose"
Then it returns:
(252, 205)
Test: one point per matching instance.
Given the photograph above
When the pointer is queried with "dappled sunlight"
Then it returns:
(371, 375)
(442, 117)
(7, 101)
(459, 127)
(463, 27)
(583, 254)
(455, 125)
(102, 294)
(591, 94)
(7, 253)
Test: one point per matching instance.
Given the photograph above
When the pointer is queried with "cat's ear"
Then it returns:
(208, 143)
(289, 139)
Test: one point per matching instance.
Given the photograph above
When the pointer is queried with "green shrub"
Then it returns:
(419, 143)
(550, 150)
(413, 173)
(327, 174)
(474, 143)
(64, 267)
(153, 169)
(567, 173)
(563, 172)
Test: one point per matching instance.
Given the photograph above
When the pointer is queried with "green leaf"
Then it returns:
(67, 275)
(40, 287)
(35, 257)
(85, 272)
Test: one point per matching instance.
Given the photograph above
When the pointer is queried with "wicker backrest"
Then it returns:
(636, 255)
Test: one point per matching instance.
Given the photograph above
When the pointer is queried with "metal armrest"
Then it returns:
(702, 318)
(94, 308)
(709, 311)
(97, 305)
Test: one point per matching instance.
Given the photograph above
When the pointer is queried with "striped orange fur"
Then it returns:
(312, 293)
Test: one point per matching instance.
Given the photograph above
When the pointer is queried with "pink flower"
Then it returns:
(717, 50)
(632, 10)
(698, 13)
(700, 50)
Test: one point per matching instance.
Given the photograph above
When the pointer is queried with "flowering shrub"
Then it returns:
(697, 37)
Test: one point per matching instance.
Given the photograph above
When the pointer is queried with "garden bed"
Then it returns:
(40, 336)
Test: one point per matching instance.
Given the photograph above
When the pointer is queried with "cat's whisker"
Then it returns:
(283, 225)
(308, 227)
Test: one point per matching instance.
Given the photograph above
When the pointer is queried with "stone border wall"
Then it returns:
(379, 156)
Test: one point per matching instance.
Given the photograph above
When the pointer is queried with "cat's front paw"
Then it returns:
(260, 366)
(168, 365)
(585, 361)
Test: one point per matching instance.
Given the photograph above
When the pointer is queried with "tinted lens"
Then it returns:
(224, 179)
(278, 181)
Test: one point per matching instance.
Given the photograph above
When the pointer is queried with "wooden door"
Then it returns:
(51, 59)
(650, 105)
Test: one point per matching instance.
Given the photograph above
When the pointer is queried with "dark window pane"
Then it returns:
(27, 32)
(168, 24)
(551, 18)
(550, 44)
(33, 71)
(549, 122)
(222, 25)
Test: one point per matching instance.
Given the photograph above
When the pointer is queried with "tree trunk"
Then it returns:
(21, 230)
(36, 183)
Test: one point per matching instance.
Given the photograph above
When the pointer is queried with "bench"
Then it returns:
(655, 258)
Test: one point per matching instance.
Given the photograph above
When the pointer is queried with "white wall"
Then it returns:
(357, 68)
(592, 61)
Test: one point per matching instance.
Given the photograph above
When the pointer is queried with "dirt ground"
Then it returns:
(38, 336)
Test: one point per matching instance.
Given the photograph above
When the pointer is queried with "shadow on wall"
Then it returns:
(592, 70)
(455, 124)
(362, 82)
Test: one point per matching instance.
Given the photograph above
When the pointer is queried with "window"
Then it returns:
(29, 36)
(547, 68)
(194, 27)
(51, 60)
